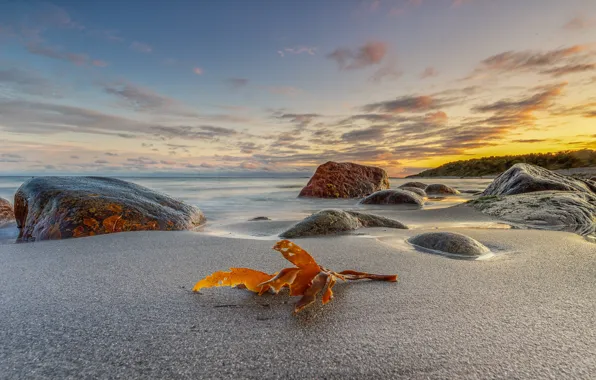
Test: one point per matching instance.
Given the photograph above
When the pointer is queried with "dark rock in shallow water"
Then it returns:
(526, 178)
(450, 242)
(418, 185)
(438, 188)
(259, 218)
(393, 197)
(415, 190)
(554, 210)
(345, 180)
(49, 208)
(331, 221)
(6, 212)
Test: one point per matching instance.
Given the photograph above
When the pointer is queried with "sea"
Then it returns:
(226, 200)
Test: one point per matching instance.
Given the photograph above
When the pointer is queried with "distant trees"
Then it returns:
(498, 164)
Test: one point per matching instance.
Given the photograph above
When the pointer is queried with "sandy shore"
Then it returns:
(120, 306)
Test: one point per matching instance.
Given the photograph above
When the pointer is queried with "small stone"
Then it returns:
(393, 197)
(439, 188)
(259, 218)
(450, 242)
(332, 221)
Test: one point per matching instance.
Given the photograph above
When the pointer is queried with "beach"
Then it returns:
(121, 306)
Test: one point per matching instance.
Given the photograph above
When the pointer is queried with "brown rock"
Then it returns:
(419, 185)
(50, 208)
(393, 197)
(345, 180)
(6, 212)
(439, 188)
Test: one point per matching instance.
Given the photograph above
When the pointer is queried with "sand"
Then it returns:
(120, 306)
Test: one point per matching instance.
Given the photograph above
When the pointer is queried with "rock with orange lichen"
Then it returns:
(50, 208)
(345, 180)
(6, 212)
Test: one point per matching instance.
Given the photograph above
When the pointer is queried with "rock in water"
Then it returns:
(6, 212)
(438, 188)
(415, 190)
(450, 242)
(48, 208)
(331, 221)
(558, 210)
(345, 180)
(393, 197)
(526, 178)
(418, 185)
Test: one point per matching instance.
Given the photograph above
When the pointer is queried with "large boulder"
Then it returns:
(450, 242)
(48, 208)
(331, 221)
(345, 180)
(526, 178)
(438, 188)
(6, 212)
(393, 197)
(419, 185)
(558, 210)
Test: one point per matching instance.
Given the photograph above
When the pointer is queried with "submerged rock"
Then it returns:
(418, 185)
(450, 242)
(558, 210)
(345, 180)
(439, 188)
(331, 221)
(259, 218)
(393, 197)
(526, 178)
(415, 190)
(48, 208)
(6, 212)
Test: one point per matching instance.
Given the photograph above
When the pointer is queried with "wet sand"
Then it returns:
(120, 306)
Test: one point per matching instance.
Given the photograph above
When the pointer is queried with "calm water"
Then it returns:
(228, 199)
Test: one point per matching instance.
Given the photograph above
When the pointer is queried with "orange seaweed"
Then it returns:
(307, 279)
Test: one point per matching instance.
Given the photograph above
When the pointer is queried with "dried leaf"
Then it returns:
(250, 278)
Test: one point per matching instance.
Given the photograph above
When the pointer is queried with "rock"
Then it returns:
(415, 190)
(6, 212)
(418, 185)
(393, 197)
(526, 178)
(450, 242)
(259, 218)
(438, 188)
(345, 180)
(48, 208)
(558, 210)
(331, 221)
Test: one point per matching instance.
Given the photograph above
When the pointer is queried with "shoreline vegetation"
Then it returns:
(580, 163)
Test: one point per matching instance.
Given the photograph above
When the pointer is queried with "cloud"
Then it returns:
(569, 69)
(142, 99)
(198, 71)
(406, 103)
(11, 158)
(299, 119)
(530, 61)
(205, 132)
(376, 133)
(101, 162)
(580, 23)
(310, 50)
(50, 15)
(389, 71)
(539, 101)
(27, 82)
(428, 73)
(237, 82)
(371, 53)
(111, 154)
(54, 53)
(248, 147)
(141, 47)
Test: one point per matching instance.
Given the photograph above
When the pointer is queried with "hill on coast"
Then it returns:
(494, 165)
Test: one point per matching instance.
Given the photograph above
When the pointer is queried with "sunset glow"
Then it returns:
(265, 87)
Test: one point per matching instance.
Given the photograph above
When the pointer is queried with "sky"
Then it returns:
(271, 87)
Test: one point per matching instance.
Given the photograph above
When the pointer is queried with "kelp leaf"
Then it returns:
(353, 275)
(284, 278)
(250, 278)
(310, 295)
(328, 295)
(296, 255)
